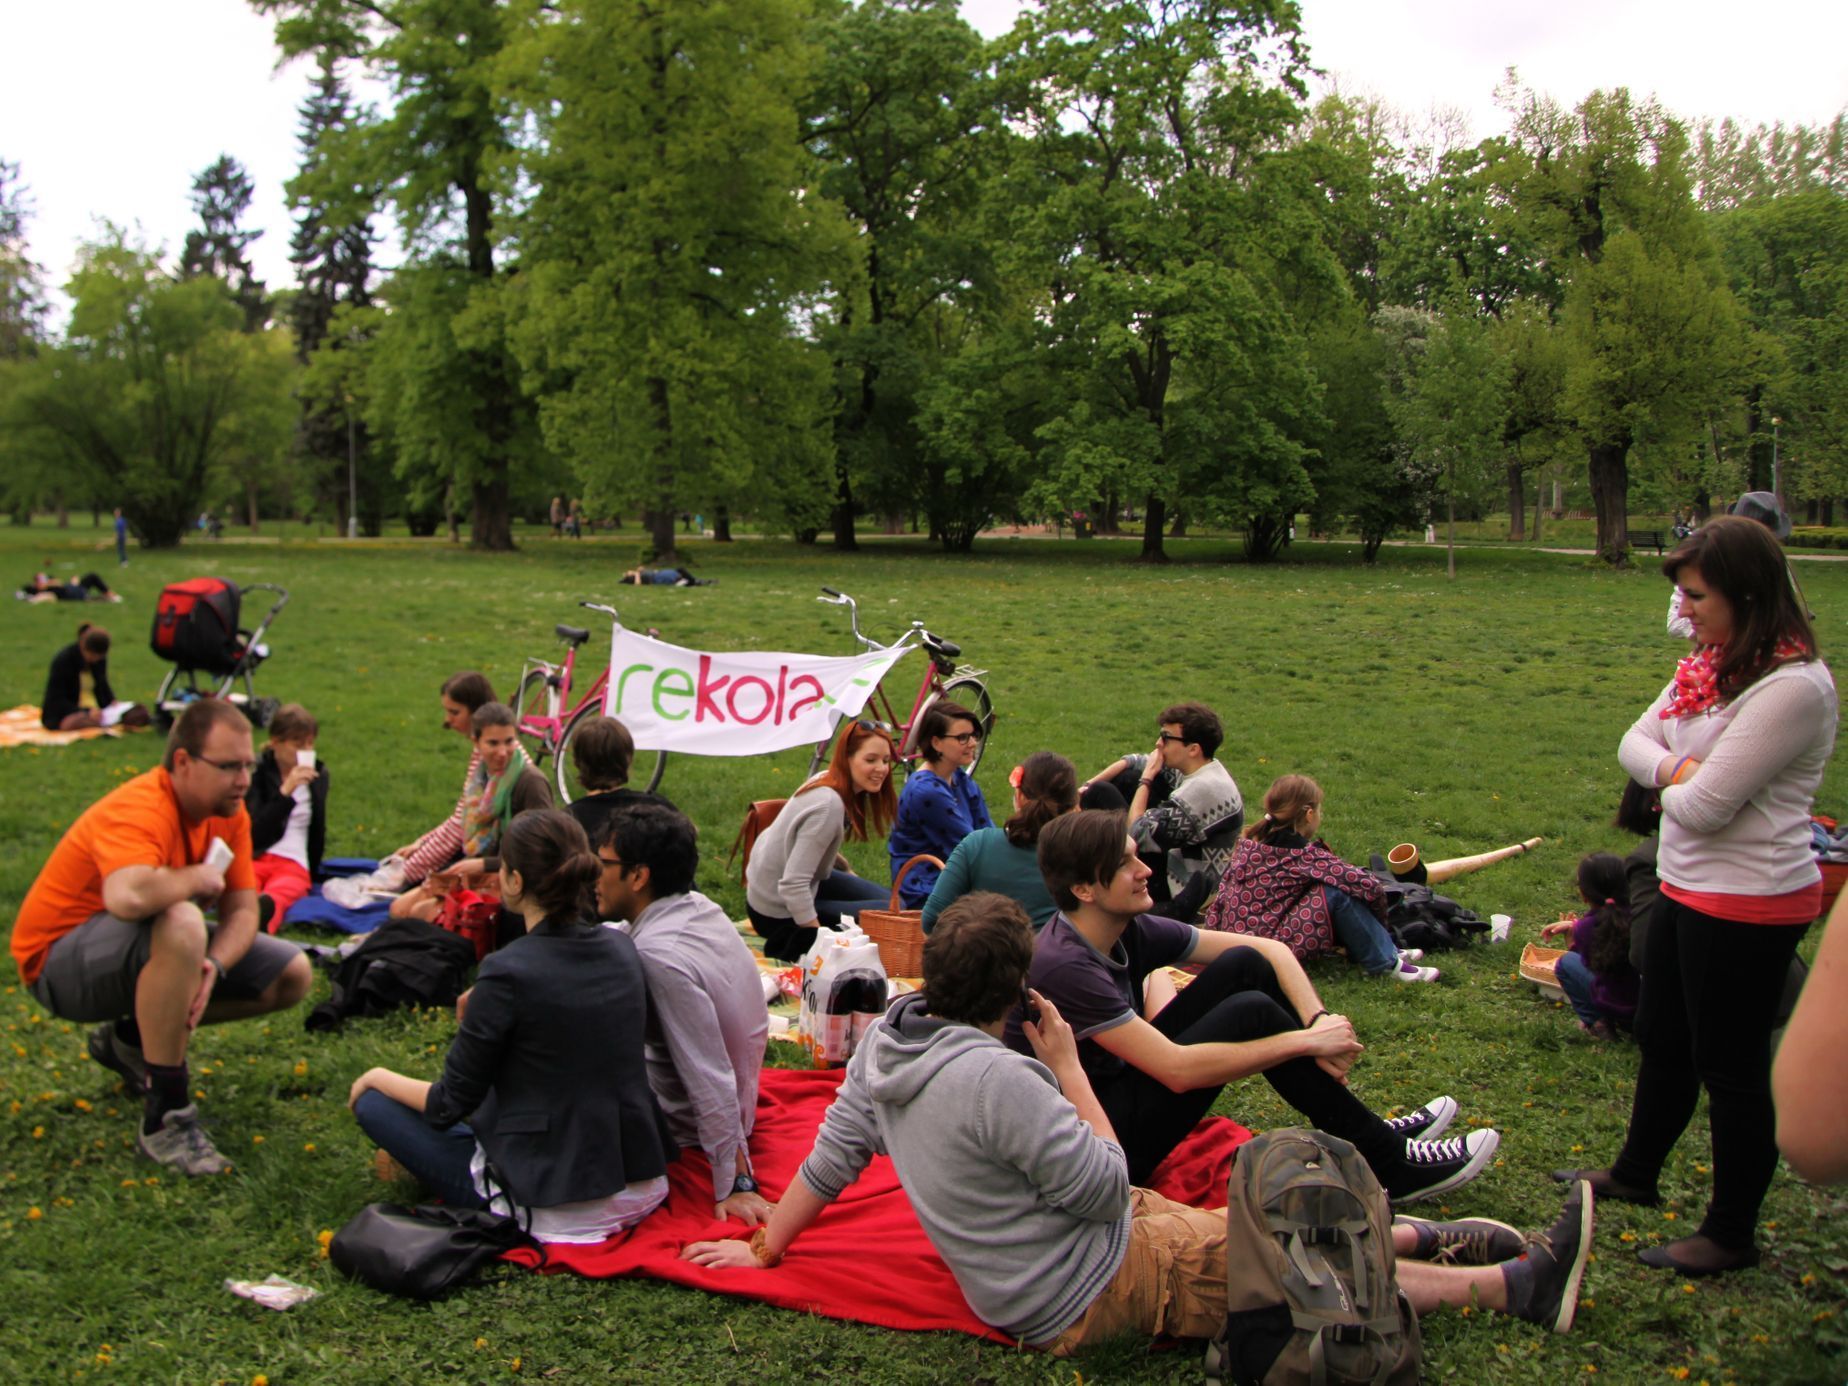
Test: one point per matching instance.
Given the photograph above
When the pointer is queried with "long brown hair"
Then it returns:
(1048, 788)
(864, 811)
(1742, 561)
(1285, 803)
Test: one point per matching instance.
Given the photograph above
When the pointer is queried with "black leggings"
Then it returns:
(1237, 998)
(1709, 1003)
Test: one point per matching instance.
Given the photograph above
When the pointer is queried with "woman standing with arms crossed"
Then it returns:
(1737, 742)
(799, 882)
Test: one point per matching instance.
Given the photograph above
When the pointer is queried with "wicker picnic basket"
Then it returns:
(1537, 965)
(899, 932)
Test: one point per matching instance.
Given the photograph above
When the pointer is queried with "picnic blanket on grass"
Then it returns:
(315, 908)
(20, 726)
(865, 1259)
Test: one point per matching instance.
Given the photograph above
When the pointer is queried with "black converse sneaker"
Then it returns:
(1543, 1286)
(1434, 1167)
(1428, 1122)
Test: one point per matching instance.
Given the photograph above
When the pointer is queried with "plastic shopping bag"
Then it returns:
(843, 993)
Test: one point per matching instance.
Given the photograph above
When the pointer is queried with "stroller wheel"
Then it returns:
(161, 719)
(262, 710)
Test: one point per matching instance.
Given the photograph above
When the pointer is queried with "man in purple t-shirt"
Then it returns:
(1157, 1059)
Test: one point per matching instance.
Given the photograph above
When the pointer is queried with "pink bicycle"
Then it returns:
(943, 678)
(548, 718)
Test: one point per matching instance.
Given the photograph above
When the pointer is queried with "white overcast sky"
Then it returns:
(110, 107)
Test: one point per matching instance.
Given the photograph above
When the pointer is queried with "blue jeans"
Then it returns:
(1574, 975)
(439, 1159)
(1364, 937)
(841, 896)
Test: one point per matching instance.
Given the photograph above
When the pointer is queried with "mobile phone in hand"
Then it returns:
(1028, 1011)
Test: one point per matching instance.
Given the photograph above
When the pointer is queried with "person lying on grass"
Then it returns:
(1158, 1060)
(707, 1025)
(543, 1108)
(114, 928)
(1020, 1181)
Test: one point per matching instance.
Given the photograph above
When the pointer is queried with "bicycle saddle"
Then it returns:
(948, 648)
(575, 634)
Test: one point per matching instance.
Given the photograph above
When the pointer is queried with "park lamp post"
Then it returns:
(1776, 488)
(352, 476)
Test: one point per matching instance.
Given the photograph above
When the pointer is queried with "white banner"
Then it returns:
(742, 703)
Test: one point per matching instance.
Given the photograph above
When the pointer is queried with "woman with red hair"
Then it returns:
(799, 882)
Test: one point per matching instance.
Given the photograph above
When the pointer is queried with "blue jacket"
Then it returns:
(932, 818)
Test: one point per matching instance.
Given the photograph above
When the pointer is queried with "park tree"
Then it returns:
(901, 122)
(154, 388)
(443, 153)
(1652, 329)
(672, 256)
(1535, 428)
(22, 287)
(1135, 201)
(221, 197)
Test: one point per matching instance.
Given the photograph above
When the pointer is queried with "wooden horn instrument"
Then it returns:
(1458, 866)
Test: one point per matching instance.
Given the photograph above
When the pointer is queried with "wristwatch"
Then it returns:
(744, 1184)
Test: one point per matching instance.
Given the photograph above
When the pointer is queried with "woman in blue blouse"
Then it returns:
(940, 804)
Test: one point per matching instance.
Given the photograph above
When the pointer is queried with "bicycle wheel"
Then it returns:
(972, 694)
(645, 771)
(533, 701)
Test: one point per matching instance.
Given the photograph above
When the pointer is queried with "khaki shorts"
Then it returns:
(1172, 1280)
(90, 973)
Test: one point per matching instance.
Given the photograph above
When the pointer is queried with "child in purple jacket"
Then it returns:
(1596, 975)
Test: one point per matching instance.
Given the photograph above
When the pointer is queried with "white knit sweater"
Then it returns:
(1740, 824)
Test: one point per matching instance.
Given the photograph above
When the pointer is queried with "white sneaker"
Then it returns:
(1411, 955)
(1412, 972)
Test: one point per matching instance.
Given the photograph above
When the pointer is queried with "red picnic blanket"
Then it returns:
(866, 1258)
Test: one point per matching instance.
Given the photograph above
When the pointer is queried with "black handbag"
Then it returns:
(422, 1252)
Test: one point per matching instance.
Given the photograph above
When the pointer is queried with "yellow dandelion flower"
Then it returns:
(34, 1213)
(256, 1140)
(309, 1148)
(1687, 1289)
(301, 1068)
(259, 1380)
(81, 1105)
(38, 1133)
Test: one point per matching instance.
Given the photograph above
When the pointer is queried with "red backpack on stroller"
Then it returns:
(195, 625)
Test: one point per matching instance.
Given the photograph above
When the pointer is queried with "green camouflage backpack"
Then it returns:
(1311, 1291)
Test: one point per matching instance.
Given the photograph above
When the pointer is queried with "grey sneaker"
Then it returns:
(1428, 1122)
(1543, 1286)
(182, 1143)
(109, 1050)
(1467, 1242)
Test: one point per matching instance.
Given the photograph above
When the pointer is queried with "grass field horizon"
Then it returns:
(1460, 715)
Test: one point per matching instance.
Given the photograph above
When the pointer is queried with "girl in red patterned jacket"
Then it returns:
(1285, 884)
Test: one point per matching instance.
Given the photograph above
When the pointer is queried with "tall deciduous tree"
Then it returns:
(672, 255)
(443, 154)
(1134, 203)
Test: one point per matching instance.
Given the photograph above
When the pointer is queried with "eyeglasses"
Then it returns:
(964, 737)
(608, 862)
(230, 767)
(1170, 736)
(1016, 775)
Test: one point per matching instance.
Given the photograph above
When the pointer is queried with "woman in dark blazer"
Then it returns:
(543, 1106)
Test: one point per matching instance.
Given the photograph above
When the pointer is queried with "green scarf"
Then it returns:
(490, 805)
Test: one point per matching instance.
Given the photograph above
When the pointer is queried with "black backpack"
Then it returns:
(1418, 917)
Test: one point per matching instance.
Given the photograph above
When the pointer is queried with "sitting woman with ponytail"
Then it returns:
(543, 1107)
(1285, 884)
(1005, 860)
(1596, 975)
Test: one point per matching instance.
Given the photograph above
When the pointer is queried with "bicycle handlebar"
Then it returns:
(608, 611)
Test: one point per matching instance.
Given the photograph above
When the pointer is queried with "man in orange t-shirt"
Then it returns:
(114, 928)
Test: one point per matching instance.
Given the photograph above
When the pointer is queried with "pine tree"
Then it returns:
(222, 194)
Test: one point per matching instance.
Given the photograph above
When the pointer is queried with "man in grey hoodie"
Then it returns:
(1018, 1180)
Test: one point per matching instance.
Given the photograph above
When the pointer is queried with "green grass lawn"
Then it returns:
(1458, 715)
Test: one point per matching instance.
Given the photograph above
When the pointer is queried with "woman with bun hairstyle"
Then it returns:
(799, 882)
(543, 1107)
(1006, 859)
(1737, 743)
(1285, 884)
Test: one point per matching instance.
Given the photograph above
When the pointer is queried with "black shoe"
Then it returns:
(113, 1052)
(266, 911)
(1543, 1286)
(1428, 1122)
(1467, 1242)
(1608, 1188)
(1697, 1256)
(1430, 1168)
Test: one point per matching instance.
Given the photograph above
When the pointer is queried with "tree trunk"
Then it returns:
(1178, 530)
(1450, 535)
(721, 525)
(490, 526)
(250, 502)
(1610, 493)
(1828, 511)
(64, 514)
(844, 537)
(1154, 517)
(1758, 452)
(1517, 502)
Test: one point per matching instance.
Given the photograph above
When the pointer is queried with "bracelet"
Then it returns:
(760, 1248)
(1674, 776)
(1317, 1016)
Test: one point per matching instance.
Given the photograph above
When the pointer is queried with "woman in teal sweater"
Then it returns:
(1006, 859)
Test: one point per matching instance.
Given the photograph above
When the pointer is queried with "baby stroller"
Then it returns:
(196, 630)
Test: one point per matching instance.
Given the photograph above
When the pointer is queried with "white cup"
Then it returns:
(1499, 924)
(305, 758)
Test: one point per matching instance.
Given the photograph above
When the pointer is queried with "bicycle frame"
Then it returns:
(547, 726)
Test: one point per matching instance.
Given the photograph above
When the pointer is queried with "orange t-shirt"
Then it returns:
(136, 824)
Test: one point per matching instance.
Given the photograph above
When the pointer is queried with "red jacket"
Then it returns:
(1275, 892)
